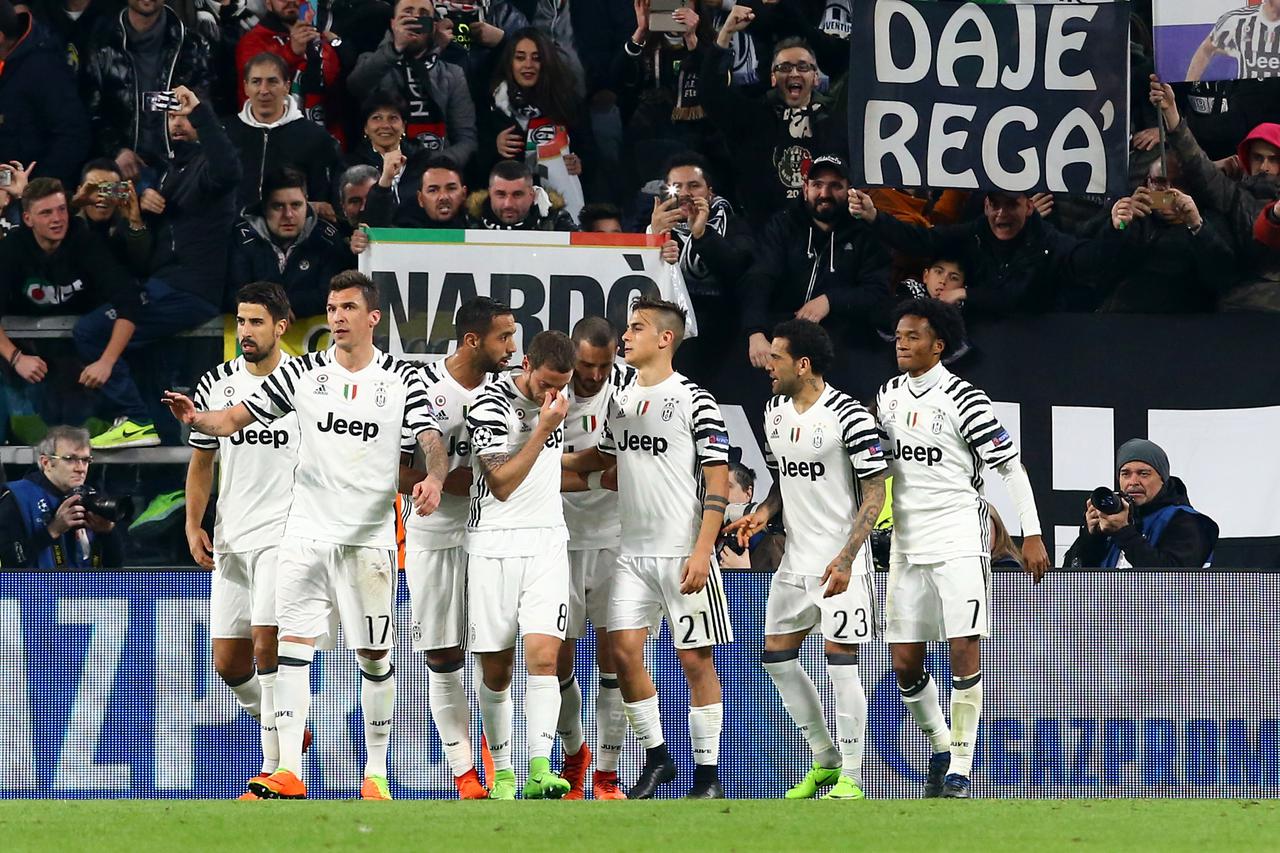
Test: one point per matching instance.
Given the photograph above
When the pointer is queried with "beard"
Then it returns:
(828, 214)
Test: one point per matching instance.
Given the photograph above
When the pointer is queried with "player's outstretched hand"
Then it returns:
(696, 571)
(835, 578)
(426, 496)
(747, 526)
(201, 548)
(1035, 558)
(181, 407)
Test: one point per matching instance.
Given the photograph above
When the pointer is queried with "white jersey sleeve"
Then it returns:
(592, 516)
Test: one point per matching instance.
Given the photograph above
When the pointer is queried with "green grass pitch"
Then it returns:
(1038, 826)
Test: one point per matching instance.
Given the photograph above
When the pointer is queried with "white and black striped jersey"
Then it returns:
(1253, 40)
(592, 517)
(501, 422)
(255, 465)
(351, 425)
(817, 458)
(446, 527)
(662, 436)
(939, 432)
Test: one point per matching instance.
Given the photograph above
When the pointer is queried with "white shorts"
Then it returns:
(590, 582)
(317, 580)
(511, 596)
(242, 593)
(928, 602)
(796, 604)
(647, 588)
(438, 597)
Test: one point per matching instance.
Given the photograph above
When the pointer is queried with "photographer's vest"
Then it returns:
(1152, 526)
(37, 507)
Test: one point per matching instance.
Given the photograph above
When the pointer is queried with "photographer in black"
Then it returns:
(1148, 523)
(50, 520)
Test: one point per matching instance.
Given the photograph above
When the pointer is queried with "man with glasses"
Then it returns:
(43, 521)
(778, 134)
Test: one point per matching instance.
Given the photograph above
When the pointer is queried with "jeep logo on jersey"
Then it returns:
(912, 453)
(657, 445)
(555, 439)
(363, 430)
(262, 437)
(804, 470)
(459, 448)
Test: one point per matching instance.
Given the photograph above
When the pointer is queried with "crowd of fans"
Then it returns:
(154, 157)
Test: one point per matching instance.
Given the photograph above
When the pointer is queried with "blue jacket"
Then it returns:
(1164, 533)
(42, 117)
(26, 508)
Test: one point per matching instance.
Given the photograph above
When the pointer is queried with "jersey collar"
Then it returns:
(918, 385)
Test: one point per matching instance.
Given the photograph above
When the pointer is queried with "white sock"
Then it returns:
(377, 703)
(800, 698)
(541, 708)
(611, 723)
(705, 723)
(248, 695)
(496, 714)
(966, 710)
(921, 700)
(851, 712)
(645, 721)
(293, 702)
(270, 739)
(447, 698)
(569, 725)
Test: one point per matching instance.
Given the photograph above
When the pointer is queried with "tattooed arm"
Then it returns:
(839, 571)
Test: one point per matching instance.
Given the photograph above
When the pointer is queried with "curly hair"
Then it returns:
(943, 318)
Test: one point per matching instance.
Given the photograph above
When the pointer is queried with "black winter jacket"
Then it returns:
(303, 268)
(546, 214)
(41, 115)
(293, 141)
(80, 276)
(113, 90)
(1186, 542)
(795, 261)
(382, 211)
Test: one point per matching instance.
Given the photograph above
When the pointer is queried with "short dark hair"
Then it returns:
(671, 317)
(511, 170)
(591, 215)
(552, 349)
(269, 295)
(942, 317)
(99, 164)
(945, 258)
(476, 316)
(440, 161)
(688, 158)
(806, 339)
(284, 178)
(596, 331)
(368, 288)
(744, 476)
(788, 44)
(41, 188)
(266, 58)
(380, 99)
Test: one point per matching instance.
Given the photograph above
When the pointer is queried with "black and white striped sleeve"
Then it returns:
(861, 438)
(487, 424)
(275, 398)
(198, 440)
(1225, 35)
(710, 437)
(979, 426)
(419, 414)
(605, 443)
(771, 421)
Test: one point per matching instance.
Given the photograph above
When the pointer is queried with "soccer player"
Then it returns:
(255, 485)
(664, 431)
(352, 403)
(435, 562)
(823, 449)
(1250, 35)
(518, 568)
(941, 433)
(594, 531)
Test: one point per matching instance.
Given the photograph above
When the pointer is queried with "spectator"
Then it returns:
(58, 266)
(442, 116)
(146, 49)
(535, 114)
(111, 208)
(1154, 525)
(1014, 261)
(73, 23)
(777, 134)
(440, 203)
(353, 194)
(308, 54)
(44, 523)
(12, 183)
(384, 136)
(943, 279)
(281, 240)
(918, 206)
(815, 262)
(42, 118)
(477, 53)
(191, 211)
(271, 133)
(513, 203)
(712, 246)
(602, 218)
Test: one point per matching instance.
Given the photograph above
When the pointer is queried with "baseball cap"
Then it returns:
(828, 161)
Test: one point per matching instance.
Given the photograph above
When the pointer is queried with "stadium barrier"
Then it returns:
(1133, 684)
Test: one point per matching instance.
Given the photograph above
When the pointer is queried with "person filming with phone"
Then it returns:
(1148, 522)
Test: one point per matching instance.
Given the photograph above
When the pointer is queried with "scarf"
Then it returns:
(799, 120)
(425, 121)
(687, 106)
(837, 19)
(698, 277)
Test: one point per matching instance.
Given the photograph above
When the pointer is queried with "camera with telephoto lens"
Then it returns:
(1107, 501)
(113, 509)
